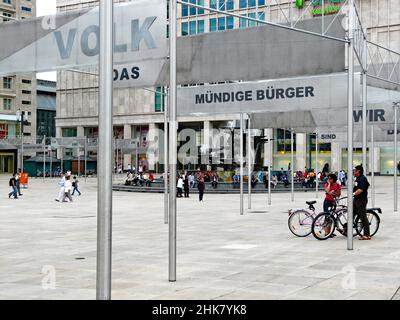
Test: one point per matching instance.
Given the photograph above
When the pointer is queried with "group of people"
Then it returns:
(135, 179)
(333, 188)
(308, 177)
(15, 185)
(67, 185)
(187, 181)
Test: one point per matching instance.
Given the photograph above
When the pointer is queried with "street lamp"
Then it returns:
(20, 118)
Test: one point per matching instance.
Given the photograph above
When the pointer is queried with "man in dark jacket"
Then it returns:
(13, 187)
(360, 193)
(186, 185)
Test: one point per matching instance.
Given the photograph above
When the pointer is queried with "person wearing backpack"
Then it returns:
(75, 186)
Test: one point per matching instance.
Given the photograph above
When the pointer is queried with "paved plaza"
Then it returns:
(48, 249)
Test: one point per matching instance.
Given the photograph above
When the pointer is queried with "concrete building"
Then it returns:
(139, 112)
(17, 93)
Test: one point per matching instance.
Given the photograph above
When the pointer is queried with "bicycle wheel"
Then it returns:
(374, 222)
(300, 223)
(341, 223)
(323, 226)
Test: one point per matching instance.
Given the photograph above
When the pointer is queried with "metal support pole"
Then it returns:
(249, 161)
(292, 163)
(350, 92)
(173, 128)
(85, 158)
(105, 156)
(79, 160)
(22, 146)
(137, 155)
(395, 159)
(364, 108)
(323, 17)
(44, 158)
(241, 165)
(51, 161)
(114, 143)
(116, 156)
(316, 164)
(269, 171)
(166, 207)
(372, 167)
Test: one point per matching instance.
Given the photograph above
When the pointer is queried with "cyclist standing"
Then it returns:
(360, 193)
(332, 190)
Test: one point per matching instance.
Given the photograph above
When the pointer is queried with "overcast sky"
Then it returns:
(46, 7)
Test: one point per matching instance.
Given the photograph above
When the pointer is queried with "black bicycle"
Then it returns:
(325, 223)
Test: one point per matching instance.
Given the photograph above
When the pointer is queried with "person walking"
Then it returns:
(61, 183)
(200, 186)
(18, 182)
(360, 193)
(179, 187)
(67, 189)
(75, 186)
(186, 186)
(13, 187)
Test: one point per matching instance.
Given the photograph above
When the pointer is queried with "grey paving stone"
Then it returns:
(220, 254)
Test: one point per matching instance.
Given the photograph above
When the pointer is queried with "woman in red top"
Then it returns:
(332, 191)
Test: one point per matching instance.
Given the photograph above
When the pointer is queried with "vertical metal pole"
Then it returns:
(22, 145)
(173, 128)
(292, 163)
(350, 92)
(44, 158)
(51, 161)
(62, 159)
(395, 159)
(269, 170)
(137, 155)
(85, 158)
(364, 107)
(291, 12)
(116, 156)
(249, 161)
(166, 208)
(122, 155)
(105, 157)
(241, 165)
(79, 160)
(372, 167)
(323, 17)
(316, 164)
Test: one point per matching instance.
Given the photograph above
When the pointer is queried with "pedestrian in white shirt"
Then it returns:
(61, 183)
(179, 186)
(67, 189)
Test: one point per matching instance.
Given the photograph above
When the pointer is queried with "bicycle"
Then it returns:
(325, 223)
(300, 220)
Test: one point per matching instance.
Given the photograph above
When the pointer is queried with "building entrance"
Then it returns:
(7, 163)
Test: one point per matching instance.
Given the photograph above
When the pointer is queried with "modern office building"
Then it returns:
(138, 112)
(17, 92)
(46, 108)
